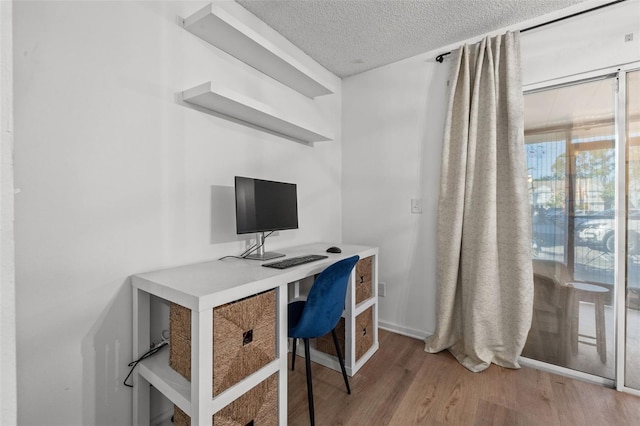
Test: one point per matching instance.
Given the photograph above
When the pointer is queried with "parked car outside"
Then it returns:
(598, 231)
(549, 225)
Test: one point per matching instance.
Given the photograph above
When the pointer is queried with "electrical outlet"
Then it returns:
(628, 37)
(382, 289)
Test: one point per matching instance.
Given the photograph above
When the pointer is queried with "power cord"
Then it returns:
(154, 350)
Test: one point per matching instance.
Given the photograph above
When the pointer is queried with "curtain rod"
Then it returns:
(440, 57)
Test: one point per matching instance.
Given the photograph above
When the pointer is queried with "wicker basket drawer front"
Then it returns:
(244, 339)
(364, 332)
(363, 336)
(258, 407)
(364, 279)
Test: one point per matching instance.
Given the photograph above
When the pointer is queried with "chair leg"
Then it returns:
(341, 360)
(307, 358)
(293, 353)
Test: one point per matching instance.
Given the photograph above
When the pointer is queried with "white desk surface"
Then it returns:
(202, 286)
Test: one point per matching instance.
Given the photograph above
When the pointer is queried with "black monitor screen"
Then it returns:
(263, 205)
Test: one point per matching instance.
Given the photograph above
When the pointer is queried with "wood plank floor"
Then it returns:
(403, 385)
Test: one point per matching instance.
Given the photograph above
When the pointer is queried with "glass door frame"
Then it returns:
(620, 255)
(621, 224)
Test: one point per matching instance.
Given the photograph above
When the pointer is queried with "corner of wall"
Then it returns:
(8, 391)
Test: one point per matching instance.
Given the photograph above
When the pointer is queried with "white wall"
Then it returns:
(587, 42)
(8, 399)
(393, 119)
(117, 176)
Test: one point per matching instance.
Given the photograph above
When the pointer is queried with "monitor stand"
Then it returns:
(260, 254)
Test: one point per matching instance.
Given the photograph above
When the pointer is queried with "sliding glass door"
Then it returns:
(582, 143)
(570, 143)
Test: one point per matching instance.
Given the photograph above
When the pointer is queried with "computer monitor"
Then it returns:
(264, 206)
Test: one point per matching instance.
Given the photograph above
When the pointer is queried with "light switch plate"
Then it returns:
(416, 205)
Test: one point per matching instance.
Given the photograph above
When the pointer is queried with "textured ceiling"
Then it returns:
(352, 36)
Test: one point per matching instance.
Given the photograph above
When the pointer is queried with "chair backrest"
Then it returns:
(549, 324)
(325, 301)
(548, 294)
(557, 271)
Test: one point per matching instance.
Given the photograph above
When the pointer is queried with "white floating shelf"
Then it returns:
(227, 102)
(221, 29)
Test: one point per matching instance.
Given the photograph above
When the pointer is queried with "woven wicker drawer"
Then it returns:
(363, 336)
(364, 332)
(364, 279)
(244, 339)
(258, 407)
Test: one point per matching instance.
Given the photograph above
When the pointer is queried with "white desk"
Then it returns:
(204, 286)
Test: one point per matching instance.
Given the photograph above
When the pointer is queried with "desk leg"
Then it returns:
(201, 366)
(141, 401)
(282, 342)
(141, 343)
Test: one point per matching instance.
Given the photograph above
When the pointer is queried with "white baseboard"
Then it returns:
(405, 331)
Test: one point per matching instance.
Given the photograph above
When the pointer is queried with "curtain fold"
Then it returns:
(484, 270)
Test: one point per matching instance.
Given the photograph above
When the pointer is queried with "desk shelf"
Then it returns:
(225, 101)
(222, 29)
(157, 372)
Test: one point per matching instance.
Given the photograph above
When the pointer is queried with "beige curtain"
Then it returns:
(484, 272)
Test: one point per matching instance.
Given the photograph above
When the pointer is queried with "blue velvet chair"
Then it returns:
(319, 315)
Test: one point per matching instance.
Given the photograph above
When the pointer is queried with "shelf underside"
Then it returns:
(224, 101)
